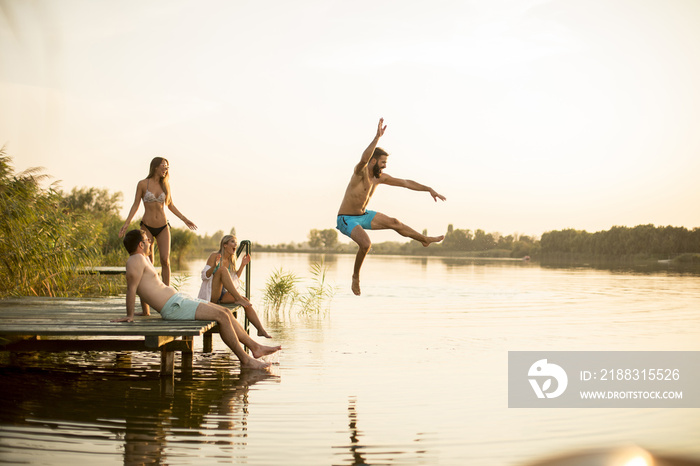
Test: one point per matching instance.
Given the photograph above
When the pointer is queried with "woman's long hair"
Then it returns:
(165, 181)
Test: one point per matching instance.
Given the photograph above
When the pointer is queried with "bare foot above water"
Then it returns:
(356, 285)
(432, 239)
(263, 350)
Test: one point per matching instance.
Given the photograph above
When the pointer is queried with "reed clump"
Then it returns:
(317, 297)
(45, 243)
(281, 292)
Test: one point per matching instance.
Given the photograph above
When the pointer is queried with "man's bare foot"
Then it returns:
(263, 333)
(251, 363)
(263, 350)
(356, 285)
(432, 239)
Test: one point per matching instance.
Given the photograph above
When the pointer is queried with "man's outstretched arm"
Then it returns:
(367, 154)
(410, 184)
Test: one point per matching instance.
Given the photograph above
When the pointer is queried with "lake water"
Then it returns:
(412, 372)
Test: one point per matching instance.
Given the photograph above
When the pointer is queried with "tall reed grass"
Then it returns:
(282, 294)
(43, 244)
(280, 291)
(317, 297)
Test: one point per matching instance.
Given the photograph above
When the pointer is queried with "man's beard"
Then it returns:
(376, 171)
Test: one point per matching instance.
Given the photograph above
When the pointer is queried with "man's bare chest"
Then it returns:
(365, 186)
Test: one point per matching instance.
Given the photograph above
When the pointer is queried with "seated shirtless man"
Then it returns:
(354, 219)
(142, 279)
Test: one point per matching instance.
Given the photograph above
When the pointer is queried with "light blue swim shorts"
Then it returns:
(180, 307)
(347, 222)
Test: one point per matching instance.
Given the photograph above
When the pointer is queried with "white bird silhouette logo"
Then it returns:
(543, 369)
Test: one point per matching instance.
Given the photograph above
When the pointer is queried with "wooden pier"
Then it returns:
(68, 324)
(107, 270)
(72, 324)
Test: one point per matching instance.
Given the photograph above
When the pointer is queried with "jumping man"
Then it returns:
(354, 219)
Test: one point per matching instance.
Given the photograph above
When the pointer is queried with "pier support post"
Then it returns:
(167, 363)
(187, 355)
(207, 343)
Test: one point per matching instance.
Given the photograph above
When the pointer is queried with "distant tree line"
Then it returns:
(456, 242)
(460, 240)
(622, 241)
(618, 242)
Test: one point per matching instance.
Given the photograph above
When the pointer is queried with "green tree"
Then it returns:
(457, 240)
(181, 239)
(102, 208)
(483, 241)
(315, 240)
(329, 237)
(42, 242)
(505, 242)
(326, 239)
(94, 200)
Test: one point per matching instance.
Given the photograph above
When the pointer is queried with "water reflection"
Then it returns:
(329, 260)
(453, 262)
(626, 266)
(54, 408)
(360, 451)
(355, 447)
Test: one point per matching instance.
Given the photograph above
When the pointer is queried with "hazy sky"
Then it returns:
(528, 115)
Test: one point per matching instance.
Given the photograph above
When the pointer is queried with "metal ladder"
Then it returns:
(246, 246)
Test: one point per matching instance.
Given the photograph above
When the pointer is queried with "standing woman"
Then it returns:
(155, 193)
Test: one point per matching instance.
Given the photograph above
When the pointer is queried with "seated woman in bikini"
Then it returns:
(154, 191)
(220, 281)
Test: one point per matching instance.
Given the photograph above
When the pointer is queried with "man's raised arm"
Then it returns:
(367, 154)
(410, 184)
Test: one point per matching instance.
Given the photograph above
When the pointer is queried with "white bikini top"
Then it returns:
(150, 197)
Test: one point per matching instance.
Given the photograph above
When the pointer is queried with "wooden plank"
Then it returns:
(102, 270)
(137, 323)
(157, 341)
(54, 346)
(157, 323)
(98, 330)
(72, 317)
(106, 270)
(34, 301)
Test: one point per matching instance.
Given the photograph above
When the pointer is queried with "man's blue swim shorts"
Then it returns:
(180, 307)
(347, 222)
